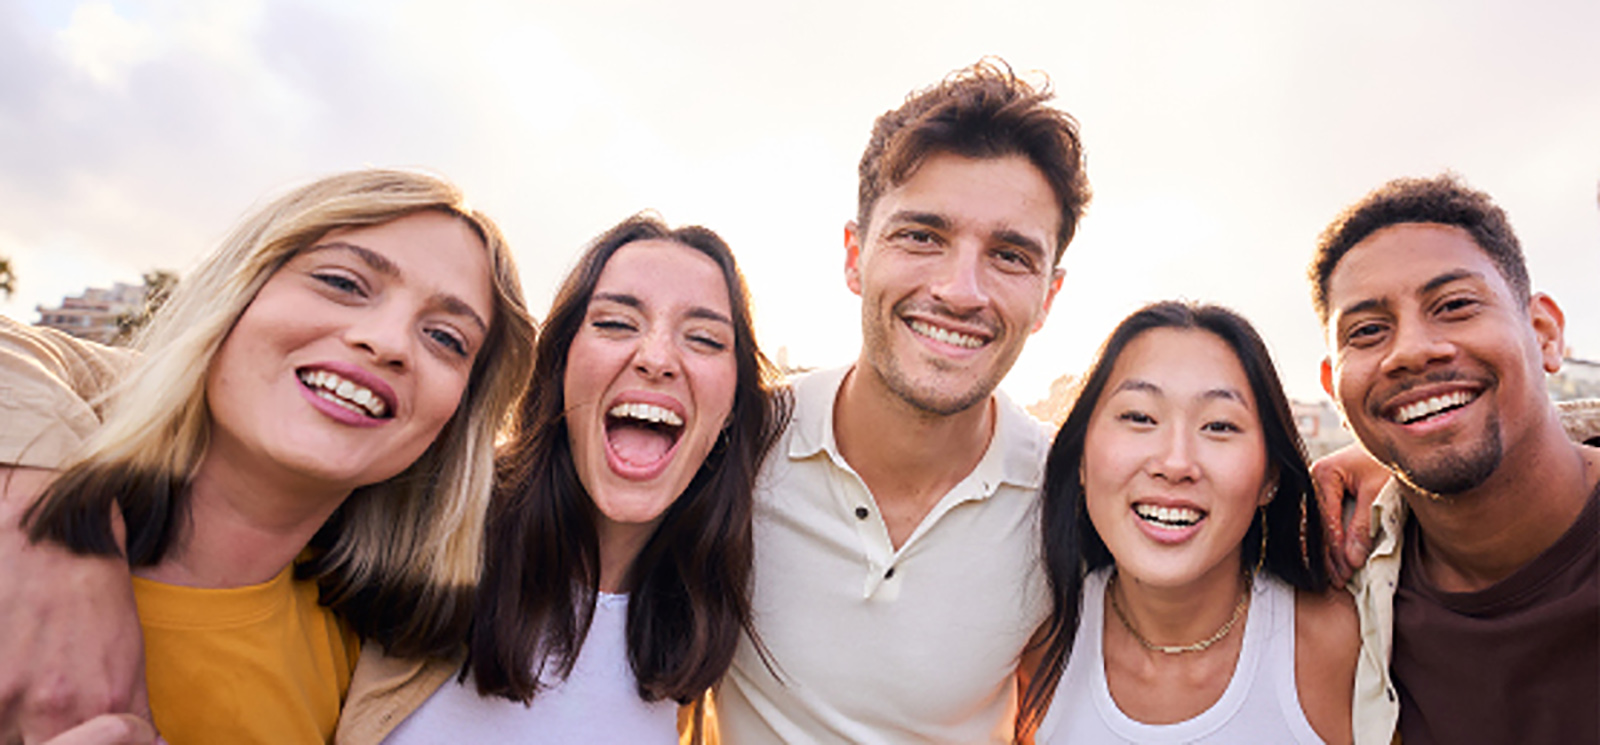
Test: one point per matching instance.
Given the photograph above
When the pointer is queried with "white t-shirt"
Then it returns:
(1260, 705)
(874, 644)
(598, 703)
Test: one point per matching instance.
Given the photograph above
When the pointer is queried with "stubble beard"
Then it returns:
(1445, 473)
(925, 398)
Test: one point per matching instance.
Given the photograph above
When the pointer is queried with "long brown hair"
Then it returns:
(689, 587)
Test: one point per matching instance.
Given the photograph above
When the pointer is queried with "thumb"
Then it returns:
(108, 729)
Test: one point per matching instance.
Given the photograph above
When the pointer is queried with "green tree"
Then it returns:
(8, 278)
(158, 286)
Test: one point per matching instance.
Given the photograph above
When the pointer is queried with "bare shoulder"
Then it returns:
(1327, 643)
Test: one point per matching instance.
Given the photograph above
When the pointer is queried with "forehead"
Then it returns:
(663, 273)
(1400, 260)
(433, 250)
(1181, 364)
(1007, 191)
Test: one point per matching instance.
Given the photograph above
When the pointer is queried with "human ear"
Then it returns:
(1056, 275)
(1549, 327)
(852, 256)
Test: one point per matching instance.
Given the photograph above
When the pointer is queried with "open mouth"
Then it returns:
(1169, 517)
(946, 336)
(642, 434)
(1432, 406)
(346, 393)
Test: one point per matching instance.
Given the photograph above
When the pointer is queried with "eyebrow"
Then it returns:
(1004, 235)
(1447, 278)
(382, 265)
(1372, 304)
(1145, 386)
(698, 311)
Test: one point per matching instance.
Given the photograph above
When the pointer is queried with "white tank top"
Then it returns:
(1260, 705)
(599, 702)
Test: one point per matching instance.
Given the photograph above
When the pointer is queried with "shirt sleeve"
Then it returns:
(51, 386)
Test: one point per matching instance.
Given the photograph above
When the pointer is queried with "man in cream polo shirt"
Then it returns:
(896, 523)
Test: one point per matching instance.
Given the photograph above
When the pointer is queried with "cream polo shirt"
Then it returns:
(874, 645)
(1376, 706)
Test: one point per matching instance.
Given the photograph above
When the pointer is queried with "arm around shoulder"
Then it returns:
(69, 632)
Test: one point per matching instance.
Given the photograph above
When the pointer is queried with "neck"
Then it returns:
(1475, 539)
(1179, 616)
(620, 545)
(242, 528)
(900, 451)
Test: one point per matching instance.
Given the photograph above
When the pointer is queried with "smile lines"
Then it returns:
(353, 396)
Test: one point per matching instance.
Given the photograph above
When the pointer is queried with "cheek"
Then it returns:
(718, 384)
(439, 397)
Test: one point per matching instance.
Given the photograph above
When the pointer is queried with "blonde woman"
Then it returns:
(306, 446)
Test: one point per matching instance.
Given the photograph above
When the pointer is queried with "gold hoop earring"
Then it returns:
(1261, 558)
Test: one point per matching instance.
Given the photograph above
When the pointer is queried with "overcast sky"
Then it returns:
(1221, 136)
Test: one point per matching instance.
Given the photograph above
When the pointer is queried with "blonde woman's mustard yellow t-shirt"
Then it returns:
(258, 664)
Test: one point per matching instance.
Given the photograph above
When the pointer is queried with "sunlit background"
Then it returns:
(1222, 136)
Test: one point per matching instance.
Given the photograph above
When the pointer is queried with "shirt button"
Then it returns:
(889, 574)
(861, 513)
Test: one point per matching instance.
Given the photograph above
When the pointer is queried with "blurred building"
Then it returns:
(1576, 379)
(1053, 408)
(93, 315)
(1320, 427)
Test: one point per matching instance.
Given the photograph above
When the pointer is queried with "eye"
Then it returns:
(338, 281)
(1221, 426)
(1136, 417)
(612, 325)
(1015, 260)
(1364, 334)
(708, 342)
(449, 340)
(916, 237)
(1457, 307)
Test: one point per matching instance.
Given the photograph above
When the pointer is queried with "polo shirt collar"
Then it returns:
(1015, 456)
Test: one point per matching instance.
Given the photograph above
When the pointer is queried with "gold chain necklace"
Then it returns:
(1199, 646)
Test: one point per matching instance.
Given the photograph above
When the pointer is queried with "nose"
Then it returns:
(656, 356)
(1415, 347)
(960, 283)
(385, 334)
(1174, 460)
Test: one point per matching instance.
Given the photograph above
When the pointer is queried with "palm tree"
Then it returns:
(158, 285)
(8, 278)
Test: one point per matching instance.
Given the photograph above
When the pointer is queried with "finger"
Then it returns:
(1329, 485)
(108, 729)
(1358, 543)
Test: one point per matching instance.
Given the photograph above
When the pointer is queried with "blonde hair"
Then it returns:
(399, 558)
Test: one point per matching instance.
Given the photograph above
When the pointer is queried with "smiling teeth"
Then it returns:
(948, 337)
(352, 396)
(1427, 407)
(646, 413)
(1179, 517)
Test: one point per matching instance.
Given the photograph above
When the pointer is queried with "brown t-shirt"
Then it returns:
(1518, 662)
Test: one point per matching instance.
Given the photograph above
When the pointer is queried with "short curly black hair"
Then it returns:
(1441, 200)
